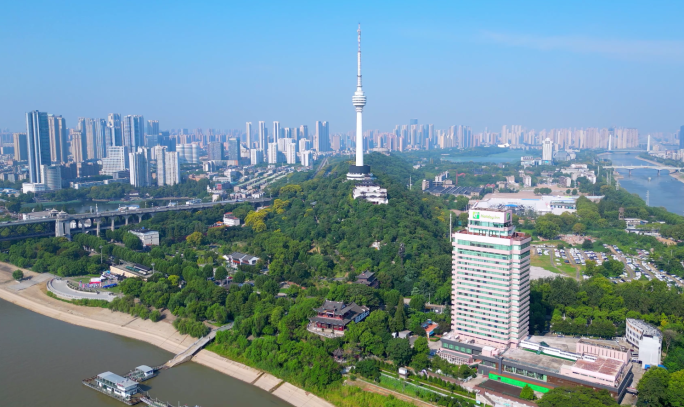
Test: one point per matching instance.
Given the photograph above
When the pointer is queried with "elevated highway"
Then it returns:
(62, 221)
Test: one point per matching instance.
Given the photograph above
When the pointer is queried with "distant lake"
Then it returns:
(504, 157)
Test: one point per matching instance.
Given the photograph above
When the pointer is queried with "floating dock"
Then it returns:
(143, 373)
(157, 403)
(116, 387)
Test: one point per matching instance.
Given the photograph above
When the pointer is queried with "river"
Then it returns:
(503, 157)
(663, 190)
(42, 363)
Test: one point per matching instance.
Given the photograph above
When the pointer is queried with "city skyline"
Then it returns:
(481, 69)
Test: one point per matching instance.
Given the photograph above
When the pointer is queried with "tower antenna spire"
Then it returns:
(358, 74)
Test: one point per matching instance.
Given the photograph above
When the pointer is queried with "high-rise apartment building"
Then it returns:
(114, 135)
(139, 168)
(58, 139)
(305, 158)
(153, 127)
(38, 139)
(233, 152)
(171, 168)
(256, 156)
(304, 131)
(263, 136)
(304, 145)
(78, 151)
(188, 153)
(51, 176)
(168, 167)
(276, 131)
(20, 147)
(134, 131)
(322, 137)
(215, 151)
(272, 153)
(681, 138)
(248, 135)
(117, 160)
(547, 151)
(491, 281)
(95, 138)
(290, 152)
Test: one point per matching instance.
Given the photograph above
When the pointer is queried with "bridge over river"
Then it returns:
(642, 167)
(62, 221)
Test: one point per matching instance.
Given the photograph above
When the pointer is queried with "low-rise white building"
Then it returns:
(647, 338)
(236, 259)
(230, 220)
(371, 193)
(33, 187)
(147, 237)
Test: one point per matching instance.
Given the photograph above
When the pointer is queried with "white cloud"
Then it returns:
(627, 49)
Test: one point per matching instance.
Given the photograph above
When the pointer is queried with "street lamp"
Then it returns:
(152, 268)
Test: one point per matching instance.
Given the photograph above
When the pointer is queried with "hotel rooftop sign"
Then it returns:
(490, 216)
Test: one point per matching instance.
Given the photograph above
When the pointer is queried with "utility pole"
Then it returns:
(450, 225)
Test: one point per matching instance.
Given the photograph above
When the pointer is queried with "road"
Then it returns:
(59, 288)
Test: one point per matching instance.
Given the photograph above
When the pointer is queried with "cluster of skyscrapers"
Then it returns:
(286, 145)
(126, 148)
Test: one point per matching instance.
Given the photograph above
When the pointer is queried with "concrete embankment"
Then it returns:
(161, 334)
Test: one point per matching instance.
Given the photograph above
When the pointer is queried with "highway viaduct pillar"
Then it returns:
(63, 228)
(140, 215)
(98, 221)
(126, 217)
(112, 224)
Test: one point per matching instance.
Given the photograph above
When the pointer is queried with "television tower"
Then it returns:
(359, 171)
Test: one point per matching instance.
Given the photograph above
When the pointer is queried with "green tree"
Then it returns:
(420, 361)
(195, 239)
(527, 393)
(579, 228)
(220, 273)
(17, 274)
(587, 244)
(653, 388)
(398, 323)
(463, 218)
(368, 369)
(132, 241)
(577, 397)
(546, 229)
(674, 360)
(417, 303)
(421, 346)
(399, 351)
(675, 389)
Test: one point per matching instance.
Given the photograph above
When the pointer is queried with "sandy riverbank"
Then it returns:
(161, 334)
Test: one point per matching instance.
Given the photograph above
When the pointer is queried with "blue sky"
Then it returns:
(219, 64)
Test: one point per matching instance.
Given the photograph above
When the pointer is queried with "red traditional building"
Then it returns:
(333, 317)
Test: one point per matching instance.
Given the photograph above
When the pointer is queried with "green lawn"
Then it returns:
(544, 262)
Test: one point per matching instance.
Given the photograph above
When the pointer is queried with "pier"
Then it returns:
(195, 347)
(126, 390)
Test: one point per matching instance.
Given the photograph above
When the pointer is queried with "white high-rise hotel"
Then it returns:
(491, 281)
